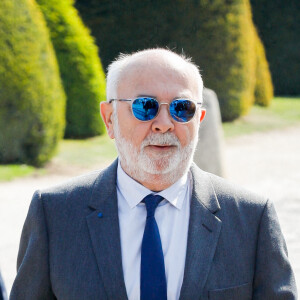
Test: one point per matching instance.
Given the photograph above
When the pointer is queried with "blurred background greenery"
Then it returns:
(52, 79)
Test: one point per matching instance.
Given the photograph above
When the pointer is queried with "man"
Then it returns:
(152, 225)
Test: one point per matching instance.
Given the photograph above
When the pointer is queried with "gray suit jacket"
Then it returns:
(69, 251)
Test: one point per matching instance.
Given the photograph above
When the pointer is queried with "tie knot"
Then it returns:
(152, 202)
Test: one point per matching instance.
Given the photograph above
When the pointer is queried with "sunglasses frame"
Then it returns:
(159, 105)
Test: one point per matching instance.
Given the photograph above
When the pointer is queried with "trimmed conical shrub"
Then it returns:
(263, 86)
(223, 45)
(80, 67)
(217, 34)
(32, 101)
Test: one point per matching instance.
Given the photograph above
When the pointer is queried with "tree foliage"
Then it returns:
(278, 23)
(32, 100)
(263, 85)
(217, 34)
(223, 46)
(80, 67)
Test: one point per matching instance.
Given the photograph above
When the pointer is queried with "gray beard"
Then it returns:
(140, 166)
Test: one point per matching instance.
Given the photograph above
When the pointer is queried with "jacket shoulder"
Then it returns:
(85, 181)
(75, 192)
(230, 192)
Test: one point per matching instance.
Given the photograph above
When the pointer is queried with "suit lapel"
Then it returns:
(103, 225)
(203, 235)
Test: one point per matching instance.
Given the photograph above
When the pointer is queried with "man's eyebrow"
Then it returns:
(183, 96)
(148, 96)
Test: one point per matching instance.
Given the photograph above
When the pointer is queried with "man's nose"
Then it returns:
(163, 121)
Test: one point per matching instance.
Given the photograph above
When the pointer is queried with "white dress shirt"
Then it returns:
(172, 217)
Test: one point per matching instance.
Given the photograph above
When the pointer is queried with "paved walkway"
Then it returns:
(267, 163)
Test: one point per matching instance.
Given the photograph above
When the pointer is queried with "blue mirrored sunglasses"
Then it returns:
(147, 108)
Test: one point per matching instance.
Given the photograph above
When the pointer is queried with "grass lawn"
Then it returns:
(283, 112)
(78, 154)
(9, 172)
(97, 151)
(86, 153)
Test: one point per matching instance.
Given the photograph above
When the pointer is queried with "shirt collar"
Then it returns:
(135, 192)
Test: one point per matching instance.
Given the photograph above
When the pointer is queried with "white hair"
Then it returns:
(116, 68)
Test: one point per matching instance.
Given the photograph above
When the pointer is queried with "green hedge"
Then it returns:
(279, 28)
(80, 68)
(217, 34)
(263, 86)
(32, 100)
(223, 45)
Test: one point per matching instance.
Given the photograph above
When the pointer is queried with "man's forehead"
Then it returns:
(149, 69)
(183, 94)
(161, 73)
(155, 61)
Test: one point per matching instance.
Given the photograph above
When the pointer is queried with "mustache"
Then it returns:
(161, 139)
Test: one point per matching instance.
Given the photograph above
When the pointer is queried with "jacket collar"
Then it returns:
(105, 188)
(203, 235)
(203, 189)
(103, 226)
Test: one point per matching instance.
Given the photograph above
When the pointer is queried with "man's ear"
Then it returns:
(106, 110)
(203, 113)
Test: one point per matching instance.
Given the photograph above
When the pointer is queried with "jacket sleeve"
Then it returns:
(33, 280)
(274, 277)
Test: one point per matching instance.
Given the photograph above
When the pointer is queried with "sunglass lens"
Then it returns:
(145, 108)
(182, 110)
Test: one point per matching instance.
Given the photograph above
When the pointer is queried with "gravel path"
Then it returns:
(269, 164)
(266, 163)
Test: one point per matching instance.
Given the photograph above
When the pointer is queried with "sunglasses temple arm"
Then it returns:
(127, 100)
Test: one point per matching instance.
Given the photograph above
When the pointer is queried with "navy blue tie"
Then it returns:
(153, 276)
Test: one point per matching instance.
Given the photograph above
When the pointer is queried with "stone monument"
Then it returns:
(210, 149)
